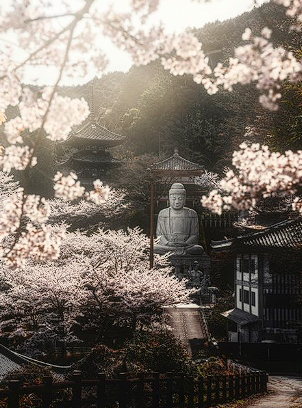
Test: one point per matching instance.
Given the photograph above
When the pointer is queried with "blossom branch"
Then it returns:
(70, 26)
(31, 20)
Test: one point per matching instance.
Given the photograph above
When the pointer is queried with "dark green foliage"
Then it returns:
(157, 111)
(156, 351)
(159, 351)
(40, 177)
(134, 177)
(216, 322)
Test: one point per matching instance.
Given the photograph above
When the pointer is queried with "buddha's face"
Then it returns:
(177, 201)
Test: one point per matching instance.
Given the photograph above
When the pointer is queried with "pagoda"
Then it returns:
(86, 150)
(178, 169)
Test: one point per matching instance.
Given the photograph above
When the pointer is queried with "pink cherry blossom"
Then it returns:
(67, 187)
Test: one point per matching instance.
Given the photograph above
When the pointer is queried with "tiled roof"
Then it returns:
(6, 366)
(240, 317)
(176, 162)
(92, 131)
(10, 361)
(89, 130)
(286, 234)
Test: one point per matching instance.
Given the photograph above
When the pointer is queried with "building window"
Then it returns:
(240, 295)
(253, 298)
(246, 296)
(253, 265)
(245, 265)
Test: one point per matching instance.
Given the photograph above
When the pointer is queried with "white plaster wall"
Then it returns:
(246, 306)
(238, 269)
(238, 302)
(246, 275)
(254, 276)
(255, 309)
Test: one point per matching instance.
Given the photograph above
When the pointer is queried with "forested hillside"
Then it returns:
(157, 111)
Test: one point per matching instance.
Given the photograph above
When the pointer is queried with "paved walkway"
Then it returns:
(188, 323)
(286, 392)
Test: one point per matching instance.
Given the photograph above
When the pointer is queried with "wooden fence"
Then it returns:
(148, 390)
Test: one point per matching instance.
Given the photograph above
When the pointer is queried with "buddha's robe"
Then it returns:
(178, 232)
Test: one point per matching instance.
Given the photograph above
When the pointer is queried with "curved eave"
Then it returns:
(176, 163)
(96, 161)
(224, 245)
(176, 173)
(83, 141)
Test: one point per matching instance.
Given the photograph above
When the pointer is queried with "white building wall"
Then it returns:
(246, 306)
(255, 309)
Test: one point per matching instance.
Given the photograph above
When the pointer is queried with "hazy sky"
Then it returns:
(176, 15)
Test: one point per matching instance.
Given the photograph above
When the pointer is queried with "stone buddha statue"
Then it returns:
(177, 226)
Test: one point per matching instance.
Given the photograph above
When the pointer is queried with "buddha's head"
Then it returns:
(177, 196)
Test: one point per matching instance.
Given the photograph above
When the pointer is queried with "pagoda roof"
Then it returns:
(285, 234)
(176, 163)
(91, 132)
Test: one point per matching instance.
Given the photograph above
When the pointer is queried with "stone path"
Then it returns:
(285, 392)
(188, 323)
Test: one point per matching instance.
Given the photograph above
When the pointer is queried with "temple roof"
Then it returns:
(176, 163)
(91, 132)
(240, 317)
(286, 234)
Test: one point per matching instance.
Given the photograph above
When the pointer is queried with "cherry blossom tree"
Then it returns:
(36, 35)
(258, 173)
(99, 282)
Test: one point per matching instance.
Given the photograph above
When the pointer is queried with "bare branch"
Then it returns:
(31, 20)
(79, 15)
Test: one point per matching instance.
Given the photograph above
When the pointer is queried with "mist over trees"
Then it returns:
(158, 111)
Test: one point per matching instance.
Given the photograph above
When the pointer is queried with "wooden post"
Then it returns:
(169, 390)
(263, 382)
(101, 391)
(209, 389)
(224, 389)
(140, 390)
(258, 382)
(181, 391)
(217, 388)
(237, 387)
(253, 385)
(13, 398)
(76, 389)
(231, 387)
(122, 397)
(243, 385)
(47, 393)
(152, 225)
(248, 384)
(155, 390)
(200, 392)
(191, 392)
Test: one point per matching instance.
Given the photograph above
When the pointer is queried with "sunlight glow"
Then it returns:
(176, 15)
